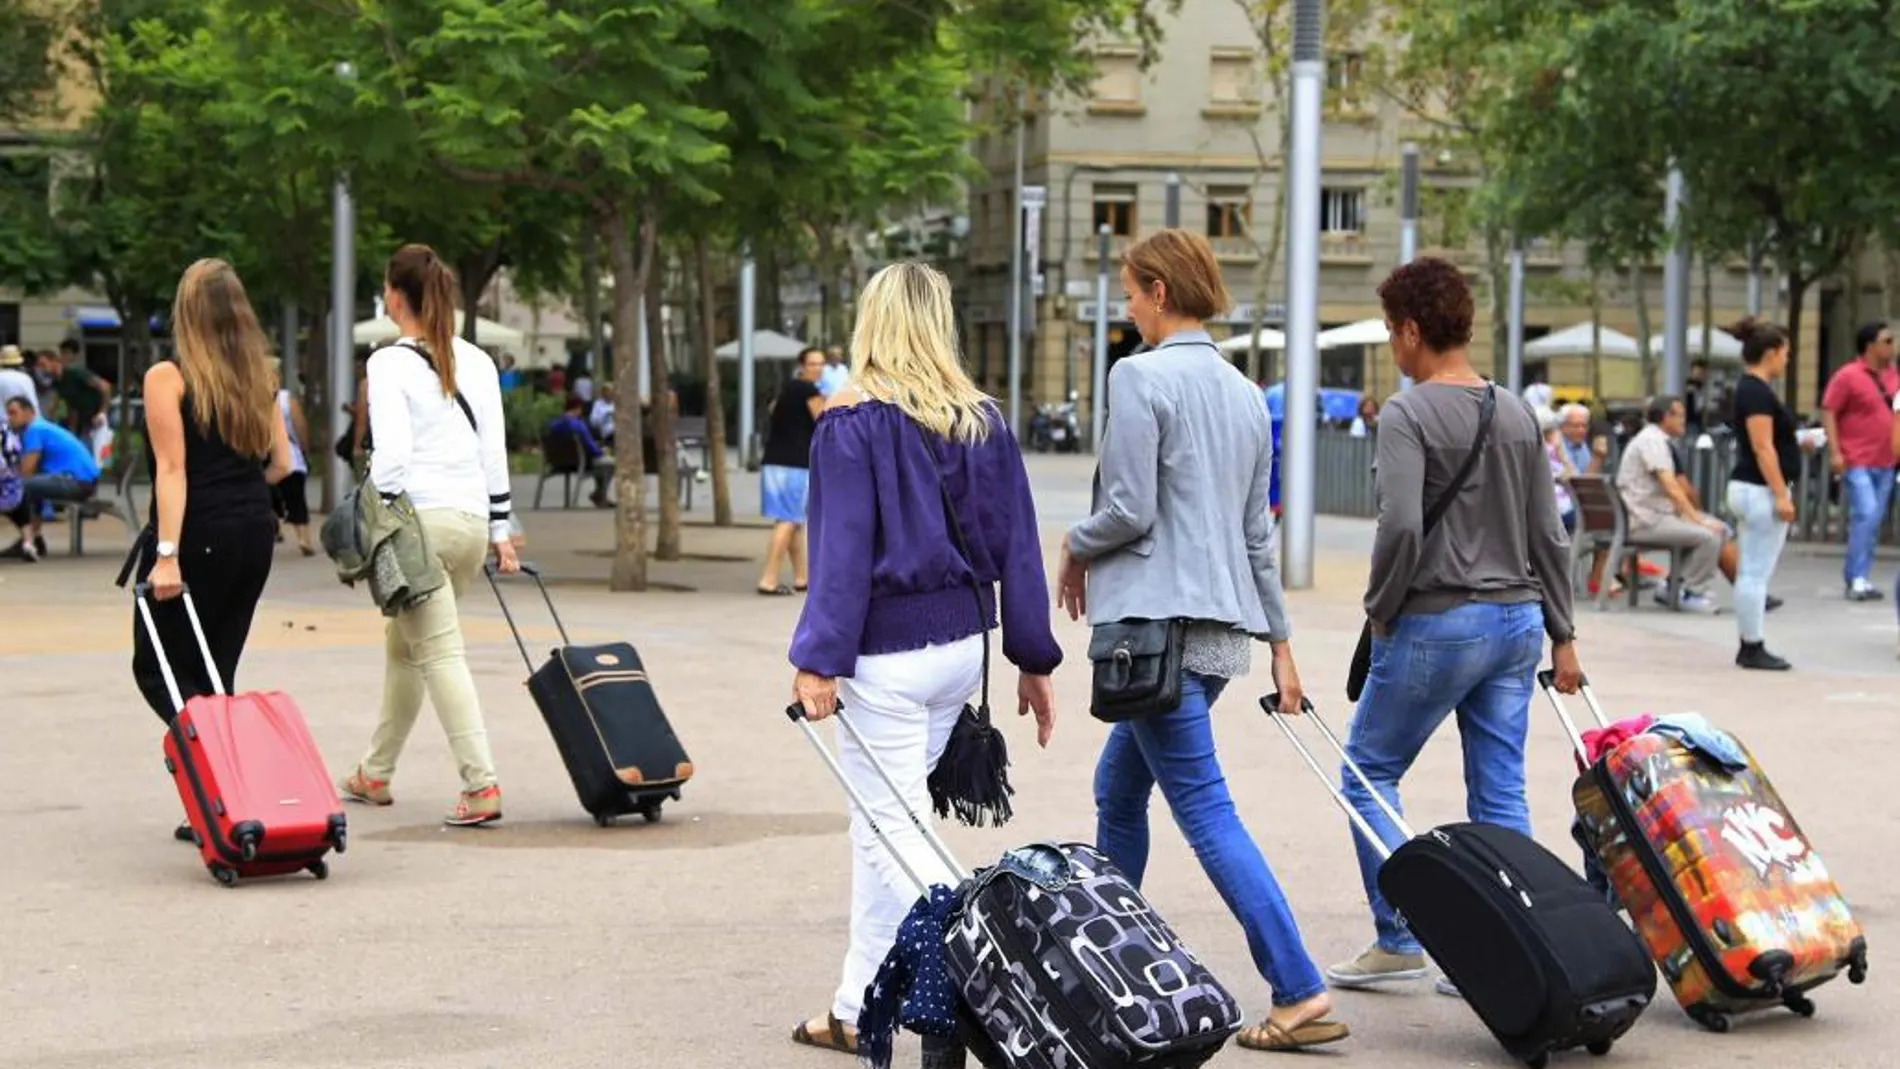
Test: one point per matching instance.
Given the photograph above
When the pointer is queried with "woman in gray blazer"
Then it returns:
(1181, 530)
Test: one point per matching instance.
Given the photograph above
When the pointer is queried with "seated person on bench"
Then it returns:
(54, 465)
(1664, 508)
(569, 422)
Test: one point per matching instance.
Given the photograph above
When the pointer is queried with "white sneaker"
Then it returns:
(1697, 603)
(1445, 987)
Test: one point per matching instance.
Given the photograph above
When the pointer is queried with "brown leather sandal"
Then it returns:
(834, 1037)
(1271, 1037)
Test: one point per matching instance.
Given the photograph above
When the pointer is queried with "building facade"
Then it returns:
(1203, 112)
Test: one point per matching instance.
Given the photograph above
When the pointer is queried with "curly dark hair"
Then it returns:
(1432, 293)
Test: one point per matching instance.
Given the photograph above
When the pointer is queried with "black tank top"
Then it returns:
(221, 485)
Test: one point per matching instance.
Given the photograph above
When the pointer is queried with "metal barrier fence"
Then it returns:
(1344, 486)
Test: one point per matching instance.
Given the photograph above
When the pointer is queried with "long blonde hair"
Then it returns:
(904, 351)
(223, 356)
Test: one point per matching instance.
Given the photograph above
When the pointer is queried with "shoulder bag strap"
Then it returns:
(963, 547)
(1879, 385)
(1487, 411)
(459, 399)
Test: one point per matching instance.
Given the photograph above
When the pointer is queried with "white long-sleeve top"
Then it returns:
(422, 443)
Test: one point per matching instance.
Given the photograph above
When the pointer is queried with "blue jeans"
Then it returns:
(1866, 493)
(1759, 537)
(1176, 751)
(1478, 659)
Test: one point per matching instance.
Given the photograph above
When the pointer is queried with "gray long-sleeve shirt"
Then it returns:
(1500, 541)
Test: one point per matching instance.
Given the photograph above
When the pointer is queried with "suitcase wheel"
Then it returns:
(170, 769)
(1538, 1062)
(1857, 973)
(1800, 1004)
(1600, 1047)
(1712, 1020)
(606, 820)
(652, 813)
(320, 869)
(226, 876)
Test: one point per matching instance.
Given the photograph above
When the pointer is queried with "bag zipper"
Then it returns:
(1692, 933)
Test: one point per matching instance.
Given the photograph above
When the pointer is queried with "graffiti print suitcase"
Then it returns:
(1059, 962)
(1737, 909)
(619, 748)
(1535, 951)
(255, 789)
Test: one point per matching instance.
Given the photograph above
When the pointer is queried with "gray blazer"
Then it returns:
(1181, 525)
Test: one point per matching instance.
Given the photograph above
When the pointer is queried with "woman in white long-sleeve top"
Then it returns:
(438, 432)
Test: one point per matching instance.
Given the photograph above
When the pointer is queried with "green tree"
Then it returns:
(592, 100)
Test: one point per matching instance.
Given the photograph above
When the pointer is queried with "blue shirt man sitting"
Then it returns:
(571, 424)
(54, 466)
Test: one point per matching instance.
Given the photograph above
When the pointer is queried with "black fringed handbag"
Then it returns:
(972, 777)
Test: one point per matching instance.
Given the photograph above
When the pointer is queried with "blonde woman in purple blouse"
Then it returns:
(892, 626)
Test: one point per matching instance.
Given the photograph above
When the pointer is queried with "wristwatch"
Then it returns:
(167, 550)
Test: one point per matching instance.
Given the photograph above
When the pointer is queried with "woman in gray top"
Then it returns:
(1181, 530)
(1458, 613)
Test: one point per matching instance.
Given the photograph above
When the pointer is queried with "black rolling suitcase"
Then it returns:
(1537, 954)
(606, 721)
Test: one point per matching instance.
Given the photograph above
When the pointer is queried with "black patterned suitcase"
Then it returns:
(1060, 963)
(599, 705)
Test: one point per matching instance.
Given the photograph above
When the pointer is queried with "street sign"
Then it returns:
(1035, 196)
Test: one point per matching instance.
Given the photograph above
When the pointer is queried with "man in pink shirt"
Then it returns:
(1858, 412)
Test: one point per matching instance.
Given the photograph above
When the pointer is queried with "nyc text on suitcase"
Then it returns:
(1059, 961)
(605, 719)
(255, 789)
(1535, 951)
(1735, 906)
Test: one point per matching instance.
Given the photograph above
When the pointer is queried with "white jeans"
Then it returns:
(904, 704)
(1759, 537)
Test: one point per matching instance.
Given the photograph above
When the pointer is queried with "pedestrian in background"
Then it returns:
(1767, 456)
(785, 473)
(436, 420)
(920, 507)
(1458, 610)
(216, 445)
(1180, 531)
(289, 497)
(1857, 413)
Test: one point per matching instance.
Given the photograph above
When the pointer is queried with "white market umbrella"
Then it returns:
(766, 345)
(1364, 332)
(1576, 341)
(1270, 339)
(1722, 345)
(489, 335)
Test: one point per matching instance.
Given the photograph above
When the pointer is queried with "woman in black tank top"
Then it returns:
(214, 446)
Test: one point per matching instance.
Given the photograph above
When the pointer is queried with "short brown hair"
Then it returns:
(1185, 262)
(1433, 294)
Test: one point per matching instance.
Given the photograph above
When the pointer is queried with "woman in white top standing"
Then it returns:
(436, 421)
(288, 497)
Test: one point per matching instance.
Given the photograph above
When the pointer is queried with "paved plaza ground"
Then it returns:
(696, 943)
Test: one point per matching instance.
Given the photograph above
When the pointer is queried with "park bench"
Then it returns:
(1603, 522)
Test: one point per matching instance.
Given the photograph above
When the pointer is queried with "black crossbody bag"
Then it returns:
(1487, 411)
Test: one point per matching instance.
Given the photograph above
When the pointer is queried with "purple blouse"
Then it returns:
(886, 574)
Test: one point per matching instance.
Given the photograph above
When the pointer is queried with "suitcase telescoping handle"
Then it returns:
(1271, 704)
(142, 597)
(534, 573)
(796, 714)
(1547, 679)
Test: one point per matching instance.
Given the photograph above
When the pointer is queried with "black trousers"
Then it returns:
(225, 566)
(290, 500)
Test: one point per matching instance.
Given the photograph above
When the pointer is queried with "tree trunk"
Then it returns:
(1498, 266)
(631, 258)
(1890, 289)
(1639, 287)
(772, 298)
(474, 273)
(665, 451)
(715, 393)
(830, 273)
(1797, 294)
(590, 307)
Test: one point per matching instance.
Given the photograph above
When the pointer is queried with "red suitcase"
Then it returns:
(255, 789)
